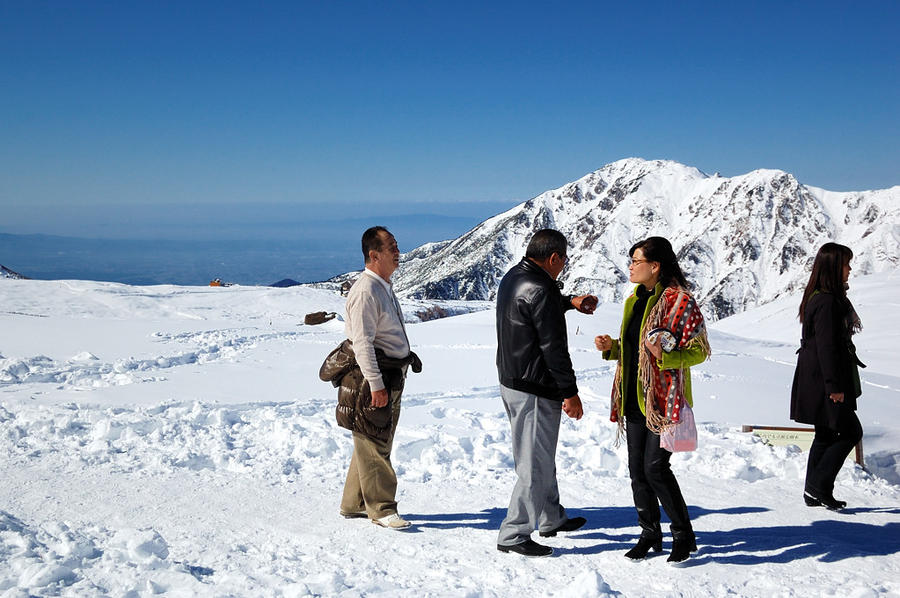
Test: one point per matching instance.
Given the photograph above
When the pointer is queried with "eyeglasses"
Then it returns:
(636, 262)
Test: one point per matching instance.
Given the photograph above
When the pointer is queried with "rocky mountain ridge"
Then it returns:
(7, 273)
(742, 241)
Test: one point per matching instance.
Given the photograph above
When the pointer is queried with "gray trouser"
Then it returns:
(535, 498)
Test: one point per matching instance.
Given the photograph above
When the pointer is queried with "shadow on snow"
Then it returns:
(830, 540)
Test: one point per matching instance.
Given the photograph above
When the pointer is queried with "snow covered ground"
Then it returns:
(177, 440)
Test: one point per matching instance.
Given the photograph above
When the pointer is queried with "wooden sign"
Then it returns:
(802, 437)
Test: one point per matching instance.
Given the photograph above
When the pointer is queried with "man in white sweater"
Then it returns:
(375, 321)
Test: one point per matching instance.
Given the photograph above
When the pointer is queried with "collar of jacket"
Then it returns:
(641, 291)
(529, 266)
(629, 306)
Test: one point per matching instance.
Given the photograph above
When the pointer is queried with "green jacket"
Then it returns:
(675, 360)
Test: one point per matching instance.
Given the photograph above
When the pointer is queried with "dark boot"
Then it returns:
(826, 457)
(644, 545)
(682, 549)
(816, 499)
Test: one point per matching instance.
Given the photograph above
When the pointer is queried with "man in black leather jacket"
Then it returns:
(537, 382)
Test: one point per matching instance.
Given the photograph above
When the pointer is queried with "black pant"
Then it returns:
(653, 483)
(829, 450)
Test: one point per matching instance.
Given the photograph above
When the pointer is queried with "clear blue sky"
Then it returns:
(300, 105)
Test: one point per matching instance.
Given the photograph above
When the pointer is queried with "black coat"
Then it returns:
(532, 342)
(826, 364)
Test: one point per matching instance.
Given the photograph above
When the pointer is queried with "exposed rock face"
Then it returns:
(7, 273)
(741, 241)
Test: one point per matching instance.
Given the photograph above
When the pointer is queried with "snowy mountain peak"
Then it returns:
(742, 241)
(7, 273)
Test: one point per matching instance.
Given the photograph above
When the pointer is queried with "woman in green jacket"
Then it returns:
(662, 336)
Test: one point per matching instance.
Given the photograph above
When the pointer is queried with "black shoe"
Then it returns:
(527, 548)
(682, 549)
(643, 546)
(570, 525)
(814, 499)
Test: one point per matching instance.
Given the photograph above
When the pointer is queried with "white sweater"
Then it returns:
(374, 319)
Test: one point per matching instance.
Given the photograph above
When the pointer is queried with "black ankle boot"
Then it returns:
(814, 499)
(643, 546)
(682, 549)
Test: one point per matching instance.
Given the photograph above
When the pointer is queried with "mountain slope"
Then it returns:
(7, 273)
(742, 241)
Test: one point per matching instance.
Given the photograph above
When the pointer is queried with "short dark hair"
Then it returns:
(545, 243)
(658, 249)
(371, 241)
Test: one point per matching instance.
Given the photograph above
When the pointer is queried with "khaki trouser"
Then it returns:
(371, 482)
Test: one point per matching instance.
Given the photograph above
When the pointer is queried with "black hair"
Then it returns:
(827, 274)
(658, 249)
(545, 243)
(371, 241)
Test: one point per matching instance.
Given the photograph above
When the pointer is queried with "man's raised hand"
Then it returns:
(586, 304)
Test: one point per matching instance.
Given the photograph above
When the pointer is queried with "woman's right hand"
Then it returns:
(837, 397)
(603, 342)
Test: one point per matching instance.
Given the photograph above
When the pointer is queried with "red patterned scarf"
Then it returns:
(677, 312)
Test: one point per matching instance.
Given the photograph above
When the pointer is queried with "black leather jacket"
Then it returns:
(532, 343)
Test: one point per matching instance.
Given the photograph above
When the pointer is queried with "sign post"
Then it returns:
(802, 437)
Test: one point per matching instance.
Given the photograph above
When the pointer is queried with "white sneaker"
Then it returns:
(392, 521)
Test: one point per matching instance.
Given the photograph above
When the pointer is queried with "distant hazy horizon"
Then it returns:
(249, 245)
(244, 243)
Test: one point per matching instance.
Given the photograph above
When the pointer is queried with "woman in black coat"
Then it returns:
(826, 381)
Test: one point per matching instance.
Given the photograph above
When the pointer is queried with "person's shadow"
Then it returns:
(485, 519)
(597, 518)
(606, 518)
(829, 539)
